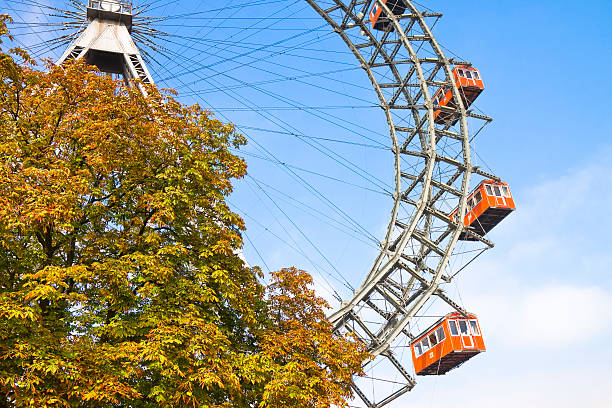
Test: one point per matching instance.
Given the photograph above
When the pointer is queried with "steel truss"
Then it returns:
(433, 167)
(108, 44)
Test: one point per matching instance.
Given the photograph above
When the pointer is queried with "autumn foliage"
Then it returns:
(119, 283)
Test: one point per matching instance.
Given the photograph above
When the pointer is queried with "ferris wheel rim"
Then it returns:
(390, 254)
(370, 279)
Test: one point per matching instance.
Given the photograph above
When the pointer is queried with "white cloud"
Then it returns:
(533, 387)
(562, 315)
(548, 317)
(543, 296)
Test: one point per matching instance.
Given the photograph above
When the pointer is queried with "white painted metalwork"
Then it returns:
(406, 66)
(107, 43)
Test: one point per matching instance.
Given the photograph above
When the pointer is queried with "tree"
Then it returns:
(119, 283)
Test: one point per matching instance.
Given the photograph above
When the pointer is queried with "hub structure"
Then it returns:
(107, 42)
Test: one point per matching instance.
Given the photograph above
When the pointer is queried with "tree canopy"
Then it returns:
(119, 280)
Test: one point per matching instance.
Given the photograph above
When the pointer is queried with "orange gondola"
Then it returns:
(470, 85)
(381, 23)
(487, 205)
(447, 344)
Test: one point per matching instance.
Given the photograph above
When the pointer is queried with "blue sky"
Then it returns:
(543, 293)
(547, 66)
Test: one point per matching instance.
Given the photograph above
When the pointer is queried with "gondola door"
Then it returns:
(499, 196)
(470, 77)
(466, 334)
(496, 191)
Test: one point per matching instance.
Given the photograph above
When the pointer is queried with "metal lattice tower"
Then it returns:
(107, 43)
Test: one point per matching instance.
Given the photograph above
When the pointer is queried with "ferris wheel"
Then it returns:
(435, 221)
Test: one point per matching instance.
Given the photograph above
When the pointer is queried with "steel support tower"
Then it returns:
(107, 42)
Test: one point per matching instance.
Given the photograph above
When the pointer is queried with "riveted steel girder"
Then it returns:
(406, 66)
(108, 44)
